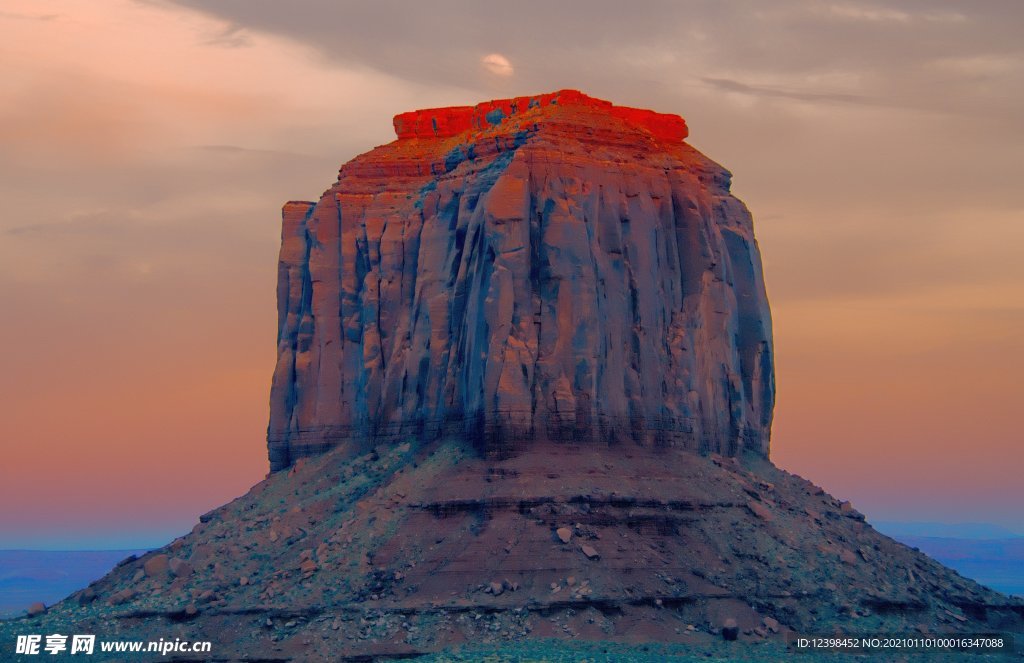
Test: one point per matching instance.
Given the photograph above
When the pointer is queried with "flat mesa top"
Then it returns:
(454, 120)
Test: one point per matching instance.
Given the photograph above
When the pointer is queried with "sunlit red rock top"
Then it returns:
(455, 120)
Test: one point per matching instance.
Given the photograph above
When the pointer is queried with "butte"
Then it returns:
(524, 391)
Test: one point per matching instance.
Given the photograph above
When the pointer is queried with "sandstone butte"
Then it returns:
(523, 397)
(550, 267)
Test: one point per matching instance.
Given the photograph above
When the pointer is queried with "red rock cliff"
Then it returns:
(548, 267)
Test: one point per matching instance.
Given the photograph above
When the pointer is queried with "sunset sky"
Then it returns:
(146, 147)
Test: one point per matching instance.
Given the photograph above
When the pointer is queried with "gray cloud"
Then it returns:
(90, 223)
(763, 90)
(232, 36)
(884, 49)
(28, 17)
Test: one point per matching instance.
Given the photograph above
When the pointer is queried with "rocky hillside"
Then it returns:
(416, 549)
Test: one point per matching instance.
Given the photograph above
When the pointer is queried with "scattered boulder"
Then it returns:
(496, 588)
(959, 618)
(308, 566)
(297, 467)
(36, 608)
(760, 510)
(123, 596)
(156, 565)
(771, 624)
(589, 551)
(564, 534)
(179, 568)
(127, 560)
(847, 510)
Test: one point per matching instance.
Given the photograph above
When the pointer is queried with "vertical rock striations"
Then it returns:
(550, 267)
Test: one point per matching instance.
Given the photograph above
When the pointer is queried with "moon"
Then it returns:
(497, 64)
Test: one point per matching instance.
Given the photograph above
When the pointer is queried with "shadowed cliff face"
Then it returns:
(548, 267)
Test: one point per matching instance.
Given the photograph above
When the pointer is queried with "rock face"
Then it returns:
(549, 267)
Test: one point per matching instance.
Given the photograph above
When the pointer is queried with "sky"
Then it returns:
(146, 147)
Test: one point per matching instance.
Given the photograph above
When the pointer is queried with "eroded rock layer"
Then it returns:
(550, 267)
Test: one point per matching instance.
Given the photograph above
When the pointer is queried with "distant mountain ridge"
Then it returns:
(995, 563)
(968, 530)
(27, 576)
